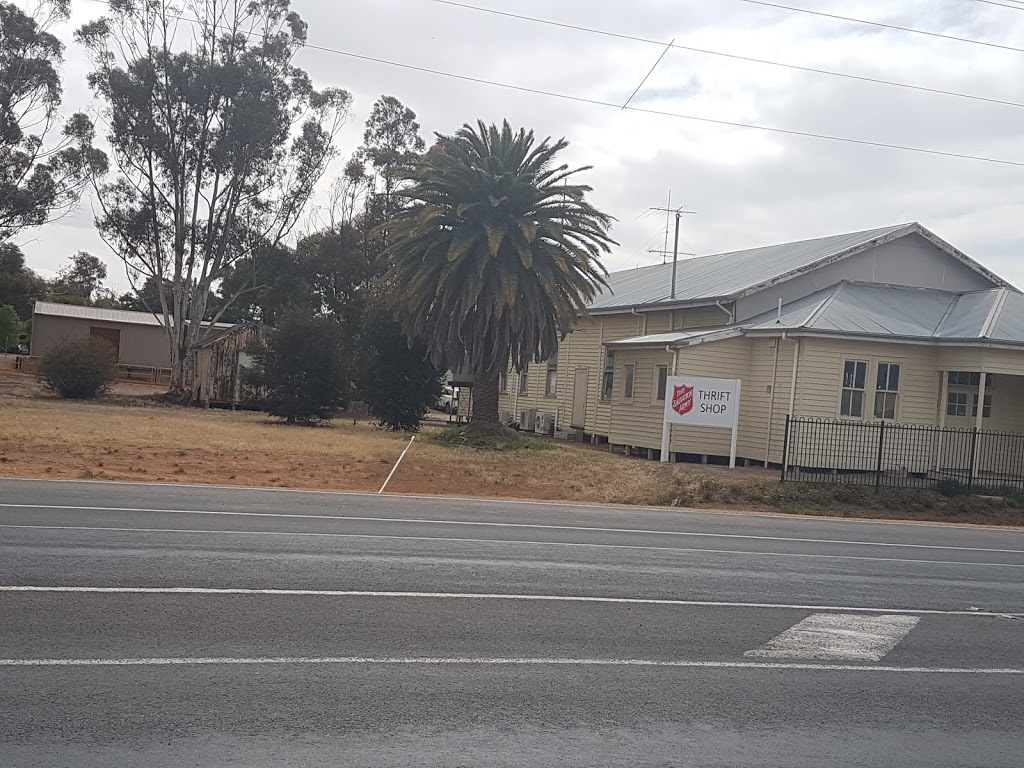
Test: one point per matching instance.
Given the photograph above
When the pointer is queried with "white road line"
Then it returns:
(490, 596)
(539, 526)
(573, 505)
(499, 661)
(842, 637)
(456, 540)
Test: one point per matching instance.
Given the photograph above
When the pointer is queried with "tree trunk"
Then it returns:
(485, 399)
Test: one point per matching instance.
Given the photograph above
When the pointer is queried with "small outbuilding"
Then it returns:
(138, 337)
(217, 363)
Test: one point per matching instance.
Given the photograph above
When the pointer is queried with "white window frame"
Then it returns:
(957, 402)
(879, 414)
(608, 377)
(524, 381)
(843, 389)
(986, 407)
(660, 383)
(629, 381)
(551, 378)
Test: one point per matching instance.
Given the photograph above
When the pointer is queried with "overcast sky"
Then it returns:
(748, 187)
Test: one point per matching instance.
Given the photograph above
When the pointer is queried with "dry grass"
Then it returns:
(140, 439)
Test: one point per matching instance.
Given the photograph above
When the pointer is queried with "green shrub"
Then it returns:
(301, 370)
(395, 378)
(79, 369)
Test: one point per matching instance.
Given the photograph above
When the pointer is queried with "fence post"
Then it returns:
(974, 454)
(785, 451)
(881, 448)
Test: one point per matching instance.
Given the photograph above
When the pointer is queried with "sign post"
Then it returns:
(701, 402)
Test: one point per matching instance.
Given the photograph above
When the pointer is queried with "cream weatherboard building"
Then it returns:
(890, 324)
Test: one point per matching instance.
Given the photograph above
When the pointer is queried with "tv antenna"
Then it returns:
(679, 213)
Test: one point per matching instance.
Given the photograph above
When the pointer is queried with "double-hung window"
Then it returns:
(662, 382)
(887, 390)
(551, 380)
(855, 376)
(608, 379)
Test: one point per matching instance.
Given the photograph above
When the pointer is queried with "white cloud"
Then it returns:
(749, 187)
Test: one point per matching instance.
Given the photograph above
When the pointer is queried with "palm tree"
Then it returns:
(495, 255)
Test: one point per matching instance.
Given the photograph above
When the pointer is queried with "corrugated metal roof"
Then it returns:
(1009, 324)
(726, 274)
(881, 311)
(967, 315)
(122, 316)
(886, 310)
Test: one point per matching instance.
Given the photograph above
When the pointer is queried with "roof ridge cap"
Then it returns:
(825, 304)
(993, 314)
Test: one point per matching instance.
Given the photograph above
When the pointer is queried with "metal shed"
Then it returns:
(138, 337)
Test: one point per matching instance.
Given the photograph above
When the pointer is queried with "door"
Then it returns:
(579, 398)
(110, 335)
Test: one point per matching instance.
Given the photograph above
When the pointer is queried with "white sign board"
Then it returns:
(700, 402)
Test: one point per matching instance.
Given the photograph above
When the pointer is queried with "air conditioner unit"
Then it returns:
(545, 424)
(528, 420)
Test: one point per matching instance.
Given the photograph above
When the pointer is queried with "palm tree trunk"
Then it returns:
(485, 399)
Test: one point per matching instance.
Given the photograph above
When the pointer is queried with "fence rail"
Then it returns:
(890, 455)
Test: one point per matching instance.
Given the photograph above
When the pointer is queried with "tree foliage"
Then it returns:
(496, 254)
(19, 286)
(301, 369)
(9, 324)
(79, 369)
(82, 279)
(44, 166)
(396, 380)
(219, 139)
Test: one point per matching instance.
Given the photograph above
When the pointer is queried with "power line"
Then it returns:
(883, 25)
(660, 113)
(1001, 5)
(737, 57)
(676, 115)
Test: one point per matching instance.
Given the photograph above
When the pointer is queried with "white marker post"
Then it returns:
(701, 402)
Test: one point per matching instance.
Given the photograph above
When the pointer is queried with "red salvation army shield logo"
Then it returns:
(682, 400)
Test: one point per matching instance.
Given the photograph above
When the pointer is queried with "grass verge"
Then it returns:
(152, 442)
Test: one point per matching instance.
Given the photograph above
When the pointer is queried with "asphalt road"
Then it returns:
(168, 626)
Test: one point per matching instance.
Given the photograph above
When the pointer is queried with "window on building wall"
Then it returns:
(986, 411)
(627, 387)
(524, 381)
(956, 404)
(503, 382)
(887, 390)
(662, 382)
(968, 379)
(551, 380)
(855, 376)
(608, 381)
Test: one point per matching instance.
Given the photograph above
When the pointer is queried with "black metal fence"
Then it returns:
(888, 455)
